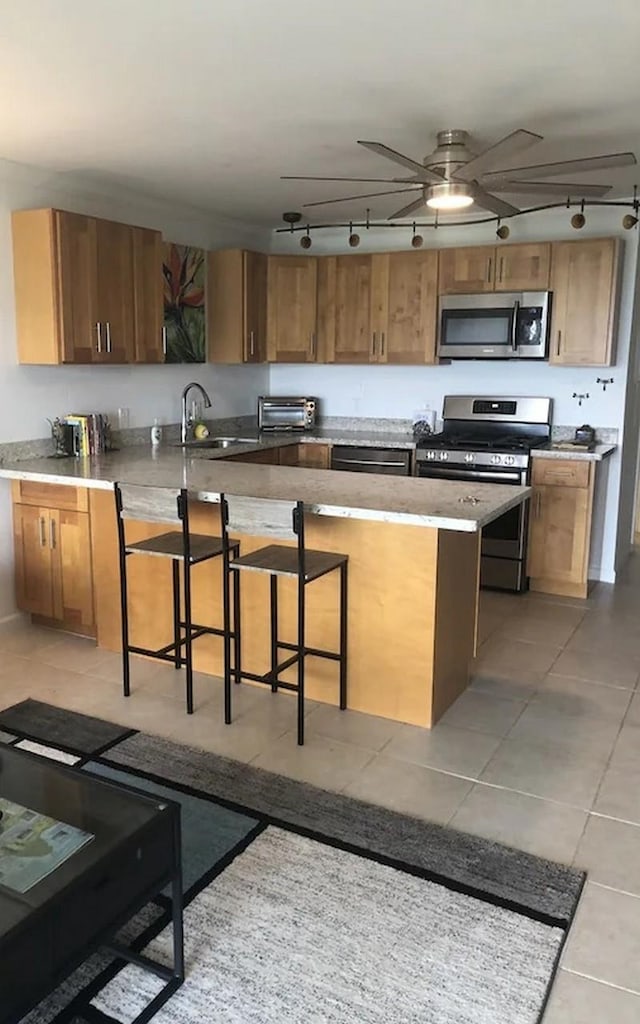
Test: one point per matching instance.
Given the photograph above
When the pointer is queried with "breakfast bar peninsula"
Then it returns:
(413, 548)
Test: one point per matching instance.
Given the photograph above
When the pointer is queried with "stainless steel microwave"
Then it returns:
(501, 325)
(286, 413)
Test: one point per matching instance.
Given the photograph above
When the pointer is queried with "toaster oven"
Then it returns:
(278, 412)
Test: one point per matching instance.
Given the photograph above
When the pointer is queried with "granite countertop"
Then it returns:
(598, 453)
(442, 504)
(330, 435)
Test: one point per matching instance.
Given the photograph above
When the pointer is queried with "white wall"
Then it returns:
(30, 394)
(400, 391)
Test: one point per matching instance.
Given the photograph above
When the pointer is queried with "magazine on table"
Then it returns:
(32, 845)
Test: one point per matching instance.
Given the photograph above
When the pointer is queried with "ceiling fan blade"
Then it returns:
(492, 203)
(406, 210)
(502, 150)
(588, 163)
(367, 195)
(405, 161)
(555, 188)
(312, 177)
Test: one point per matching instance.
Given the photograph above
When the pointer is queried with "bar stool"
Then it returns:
(166, 505)
(284, 520)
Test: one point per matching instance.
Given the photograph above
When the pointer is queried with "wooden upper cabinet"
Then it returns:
(465, 270)
(522, 268)
(115, 306)
(237, 306)
(147, 296)
(410, 336)
(74, 288)
(584, 281)
(291, 309)
(74, 271)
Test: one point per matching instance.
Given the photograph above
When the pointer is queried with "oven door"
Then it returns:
(504, 541)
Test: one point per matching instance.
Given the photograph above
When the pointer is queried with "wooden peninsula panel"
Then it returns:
(413, 595)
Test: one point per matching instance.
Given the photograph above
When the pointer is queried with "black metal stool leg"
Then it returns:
(177, 635)
(126, 671)
(343, 636)
(188, 634)
(237, 635)
(274, 634)
(301, 659)
(226, 639)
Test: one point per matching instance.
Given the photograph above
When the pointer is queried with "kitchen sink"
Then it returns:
(217, 442)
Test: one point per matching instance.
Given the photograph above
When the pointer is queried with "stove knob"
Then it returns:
(509, 460)
(496, 459)
(469, 457)
(430, 456)
(443, 456)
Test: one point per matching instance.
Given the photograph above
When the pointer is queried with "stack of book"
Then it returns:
(90, 432)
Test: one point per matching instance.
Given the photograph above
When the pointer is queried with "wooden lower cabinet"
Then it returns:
(560, 527)
(312, 455)
(308, 455)
(53, 565)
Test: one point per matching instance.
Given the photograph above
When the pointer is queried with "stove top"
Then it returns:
(502, 442)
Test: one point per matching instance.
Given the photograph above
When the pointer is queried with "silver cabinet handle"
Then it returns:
(99, 338)
(373, 344)
(108, 328)
(252, 347)
(489, 265)
(559, 343)
(382, 343)
(43, 532)
(313, 345)
(164, 341)
(537, 504)
(52, 534)
(501, 269)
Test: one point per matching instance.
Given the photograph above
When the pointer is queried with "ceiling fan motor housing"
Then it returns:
(451, 152)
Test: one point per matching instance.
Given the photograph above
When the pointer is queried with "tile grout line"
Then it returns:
(601, 981)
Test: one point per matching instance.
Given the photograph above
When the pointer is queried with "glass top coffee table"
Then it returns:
(130, 851)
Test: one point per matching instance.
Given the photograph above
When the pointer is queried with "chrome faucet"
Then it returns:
(187, 421)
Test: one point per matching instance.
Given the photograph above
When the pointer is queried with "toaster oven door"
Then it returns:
(281, 414)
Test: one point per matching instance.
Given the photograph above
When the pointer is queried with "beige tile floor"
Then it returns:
(542, 751)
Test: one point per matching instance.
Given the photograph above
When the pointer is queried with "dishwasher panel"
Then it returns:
(387, 461)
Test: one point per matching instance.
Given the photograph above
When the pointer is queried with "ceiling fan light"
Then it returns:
(448, 196)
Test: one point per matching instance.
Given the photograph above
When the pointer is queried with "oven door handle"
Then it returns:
(514, 326)
(482, 476)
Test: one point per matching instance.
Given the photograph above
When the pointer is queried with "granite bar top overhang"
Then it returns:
(443, 504)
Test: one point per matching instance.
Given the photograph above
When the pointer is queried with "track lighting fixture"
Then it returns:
(579, 220)
(354, 240)
(503, 231)
(629, 221)
(417, 241)
(305, 241)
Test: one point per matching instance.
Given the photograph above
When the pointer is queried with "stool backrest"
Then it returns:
(150, 504)
(262, 517)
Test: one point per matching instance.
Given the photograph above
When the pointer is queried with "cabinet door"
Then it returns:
(147, 296)
(314, 455)
(467, 270)
(70, 546)
(255, 307)
(559, 535)
(34, 576)
(355, 341)
(410, 336)
(76, 256)
(523, 268)
(114, 247)
(291, 309)
(584, 280)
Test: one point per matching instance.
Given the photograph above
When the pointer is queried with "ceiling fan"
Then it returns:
(452, 177)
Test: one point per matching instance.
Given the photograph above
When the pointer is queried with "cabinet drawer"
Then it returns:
(36, 492)
(562, 472)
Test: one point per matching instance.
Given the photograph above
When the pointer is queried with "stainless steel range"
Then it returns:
(490, 439)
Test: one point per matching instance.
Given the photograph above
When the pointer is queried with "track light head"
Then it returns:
(354, 240)
(578, 221)
(417, 241)
(305, 242)
(503, 232)
(629, 221)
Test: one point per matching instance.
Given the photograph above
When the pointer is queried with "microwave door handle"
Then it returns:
(514, 326)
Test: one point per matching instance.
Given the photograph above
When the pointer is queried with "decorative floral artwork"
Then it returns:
(184, 310)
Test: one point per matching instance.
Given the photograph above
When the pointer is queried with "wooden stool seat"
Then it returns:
(279, 560)
(171, 545)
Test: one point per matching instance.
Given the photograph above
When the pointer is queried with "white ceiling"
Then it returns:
(209, 101)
